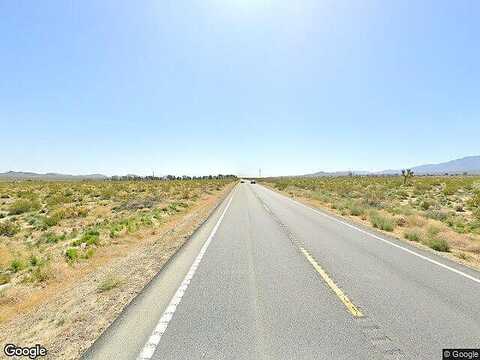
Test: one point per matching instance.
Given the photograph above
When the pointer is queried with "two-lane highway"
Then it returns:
(269, 278)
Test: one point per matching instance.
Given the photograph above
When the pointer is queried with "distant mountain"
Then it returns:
(20, 175)
(469, 164)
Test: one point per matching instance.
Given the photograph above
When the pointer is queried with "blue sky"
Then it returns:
(209, 86)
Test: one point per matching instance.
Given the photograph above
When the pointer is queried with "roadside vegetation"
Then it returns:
(440, 212)
(47, 224)
(73, 254)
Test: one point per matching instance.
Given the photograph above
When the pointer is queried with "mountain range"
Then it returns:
(469, 164)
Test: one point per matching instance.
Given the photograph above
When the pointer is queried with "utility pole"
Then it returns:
(259, 172)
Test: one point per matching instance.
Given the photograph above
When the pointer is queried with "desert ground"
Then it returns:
(73, 254)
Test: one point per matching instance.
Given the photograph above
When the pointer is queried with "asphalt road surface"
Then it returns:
(269, 278)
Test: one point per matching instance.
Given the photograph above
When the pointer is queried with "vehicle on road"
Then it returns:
(253, 182)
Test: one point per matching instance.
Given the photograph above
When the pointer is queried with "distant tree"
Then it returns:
(408, 173)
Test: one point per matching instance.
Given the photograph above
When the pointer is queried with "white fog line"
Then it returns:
(387, 241)
(154, 339)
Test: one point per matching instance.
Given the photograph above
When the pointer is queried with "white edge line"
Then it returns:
(154, 339)
(384, 240)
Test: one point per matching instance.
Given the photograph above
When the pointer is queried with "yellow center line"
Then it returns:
(340, 294)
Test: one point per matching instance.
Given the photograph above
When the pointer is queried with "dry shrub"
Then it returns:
(454, 239)
(416, 221)
(401, 220)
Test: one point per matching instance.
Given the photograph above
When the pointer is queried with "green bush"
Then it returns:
(109, 284)
(90, 237)
(8, 228)
(16, 265)
(51, 238)
(24, 205)
(439, 244)
(356, 208)
(412, 235)
(71, 254)
(34, 261)
(381, 222)
(435, 240)
(52, 220)
(115, 230)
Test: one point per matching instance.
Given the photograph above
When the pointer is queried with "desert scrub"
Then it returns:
(474, 204)
(39, 274)
(17, 265)
(90, 237)
(88, 253)
(356, 209)
(108, 284)
(435, 239)
(413, 235)
(66, 221)
(52, 220)
(380, 221)
(8, 228)
(71, 255)
(51, 238)
(438, 244)
(21, 206)
(441, 212)
(281, 185)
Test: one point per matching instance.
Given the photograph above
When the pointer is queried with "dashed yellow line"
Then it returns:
(340, 294)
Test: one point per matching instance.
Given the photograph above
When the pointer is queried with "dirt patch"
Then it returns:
(67, 316)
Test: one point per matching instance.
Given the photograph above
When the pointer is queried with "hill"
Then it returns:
(468, 164)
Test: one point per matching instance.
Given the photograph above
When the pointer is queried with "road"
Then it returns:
(269, 278)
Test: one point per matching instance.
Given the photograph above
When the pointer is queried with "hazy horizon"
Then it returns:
(216, 86)
(225, 173)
